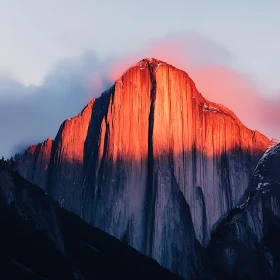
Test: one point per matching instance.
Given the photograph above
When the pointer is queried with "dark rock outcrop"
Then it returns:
(246, 244)
(153, 163)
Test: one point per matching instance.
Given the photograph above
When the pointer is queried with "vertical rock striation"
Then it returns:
(153, 163)
(66, 161)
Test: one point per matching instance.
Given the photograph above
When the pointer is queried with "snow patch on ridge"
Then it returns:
(207, 108)
(273, 149)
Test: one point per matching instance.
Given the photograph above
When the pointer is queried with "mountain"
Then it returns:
(246, 245)
(151, 162)
(40, 240)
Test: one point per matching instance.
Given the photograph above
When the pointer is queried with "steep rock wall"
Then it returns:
(154, 163)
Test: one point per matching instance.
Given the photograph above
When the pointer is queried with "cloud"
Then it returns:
(31, 114)
(208, 64)
(255, 106)
(183, 50)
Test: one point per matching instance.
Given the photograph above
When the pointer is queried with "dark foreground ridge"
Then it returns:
(40, 240)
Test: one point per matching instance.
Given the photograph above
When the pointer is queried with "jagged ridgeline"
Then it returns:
(151, 162)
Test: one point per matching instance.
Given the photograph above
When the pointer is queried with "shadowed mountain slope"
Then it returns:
(246, 244)
(39, 240)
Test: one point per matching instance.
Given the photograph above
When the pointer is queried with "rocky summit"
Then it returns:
(153, 163)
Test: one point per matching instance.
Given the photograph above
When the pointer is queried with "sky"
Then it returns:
(57, 55)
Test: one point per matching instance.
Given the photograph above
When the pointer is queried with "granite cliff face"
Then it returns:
(152, 162)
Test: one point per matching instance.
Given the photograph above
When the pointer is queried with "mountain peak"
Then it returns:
(152, 61)
(151, 161)
(149, 63)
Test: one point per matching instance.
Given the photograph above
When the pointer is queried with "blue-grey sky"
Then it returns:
(35, 34)
(55, 55)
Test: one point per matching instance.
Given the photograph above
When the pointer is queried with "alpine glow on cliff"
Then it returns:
(151, 162)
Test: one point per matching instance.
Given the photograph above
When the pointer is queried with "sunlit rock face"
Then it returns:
(65, 178)
(246, 244)
(152, 162)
